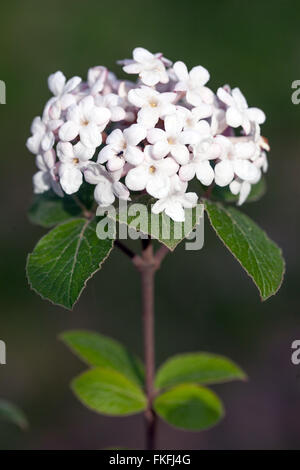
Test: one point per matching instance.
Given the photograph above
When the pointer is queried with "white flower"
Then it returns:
(193, 84)
(97, 77)
(235, 160)
(122, 147)
(242, 188)
(206, 149)
(166, 128)
(150, 67)
(108, 186)
(130, 110)
(46, 177)
(218, 119)
(176, 200)
(262, 144)
(112, 102)
(238, 113)
(154, 105)
(42, 138)
(172, 140)
(152, 175)
(193, 119)
(62, 91)
(87, 120)
(73, 161)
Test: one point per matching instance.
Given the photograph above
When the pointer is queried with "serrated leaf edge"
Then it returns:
(87, 222)
(263, 298)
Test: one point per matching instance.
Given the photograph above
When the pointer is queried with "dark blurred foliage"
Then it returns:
(204, 301)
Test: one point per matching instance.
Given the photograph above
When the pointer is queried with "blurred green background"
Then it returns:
(204, 301)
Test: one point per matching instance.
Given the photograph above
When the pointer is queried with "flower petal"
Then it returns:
(82, 152)
(180, 153)
(160, 149)
(173, 124)
(120, 190)
(199, 75)
(90, 135)
(103, 193)
(115, 163)
(133, 155)
(106, 153)
(167, 166)
(68, 131)
(187, 172)
(41, 182)
(155, 135)
(137, 178)
(134, 134)
(70, 178)
(148, 117)
(226, 97)
(256, 115)
(142, 55)
(224, 173)
(65, 152)
(181, 71)
(233, 117)
(56, 83)
(204, 172)
(245, 170)
(175, 211)
(244, 192)
(158, 185)
(71, 84)
(116, 139)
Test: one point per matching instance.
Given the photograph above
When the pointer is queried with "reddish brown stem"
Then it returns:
(147, 264)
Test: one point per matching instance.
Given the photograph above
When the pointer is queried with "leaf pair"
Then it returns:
(114, 386)
(186, 403)
(65, 259)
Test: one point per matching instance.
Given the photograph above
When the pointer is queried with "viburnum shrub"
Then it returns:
(104, 141)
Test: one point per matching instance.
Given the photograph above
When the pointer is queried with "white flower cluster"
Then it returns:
(153, 136)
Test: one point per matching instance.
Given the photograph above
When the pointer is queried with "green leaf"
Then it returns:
(13, 414)
(65, 259)
(202, 368)
(109, 392)
(161, 227)
(48, 209)
(99, 351)
(259, 256)
(224, 194)
(190, 407)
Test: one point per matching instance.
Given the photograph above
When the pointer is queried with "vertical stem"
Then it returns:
(147, 265)
(147, 270)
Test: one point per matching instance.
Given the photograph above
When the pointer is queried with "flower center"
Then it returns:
(75, 161)
(152, 169)
(84, 122)
(153, 103)
(171, 140)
